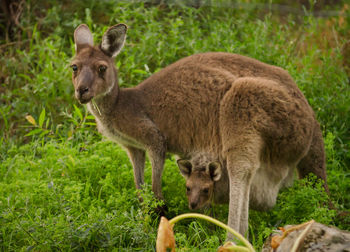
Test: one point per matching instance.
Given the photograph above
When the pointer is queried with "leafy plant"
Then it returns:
(304, 201)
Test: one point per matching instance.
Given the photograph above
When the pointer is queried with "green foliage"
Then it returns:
(338, 181)
(304, 201)
(62, 196)
(69, 196)
(62, 187)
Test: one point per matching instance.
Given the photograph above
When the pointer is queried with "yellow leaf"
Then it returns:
(227, 247)
(276, 241)
(31, 120)
(165, 236)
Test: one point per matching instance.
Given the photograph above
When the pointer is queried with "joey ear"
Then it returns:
(82, 36)
(215, 170)
(113, 40)
(185, 167)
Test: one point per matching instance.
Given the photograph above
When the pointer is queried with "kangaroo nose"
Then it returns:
(83, 90)
(193, 205)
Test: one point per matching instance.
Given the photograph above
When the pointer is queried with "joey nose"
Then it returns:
(193, 205)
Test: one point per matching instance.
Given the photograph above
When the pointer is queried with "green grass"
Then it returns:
(63, 187)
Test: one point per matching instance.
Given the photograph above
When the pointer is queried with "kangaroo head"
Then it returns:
(200, 179)
(94, 73)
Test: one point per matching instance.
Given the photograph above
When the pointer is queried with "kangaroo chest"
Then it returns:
(109, 130)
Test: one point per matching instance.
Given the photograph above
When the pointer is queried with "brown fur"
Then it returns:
(248, 113)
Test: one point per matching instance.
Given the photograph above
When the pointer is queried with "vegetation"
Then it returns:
(64, 187)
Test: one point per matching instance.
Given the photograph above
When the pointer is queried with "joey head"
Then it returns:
(199, 182)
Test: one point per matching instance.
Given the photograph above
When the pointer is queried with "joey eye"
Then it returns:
(74, 67)
(205, 190)
(188, 189)
(102, 69)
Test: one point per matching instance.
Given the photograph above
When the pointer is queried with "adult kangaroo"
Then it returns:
(248, 113)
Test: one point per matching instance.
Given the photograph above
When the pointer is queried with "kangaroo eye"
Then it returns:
(102, 69)
(188, 189)
(74, 67)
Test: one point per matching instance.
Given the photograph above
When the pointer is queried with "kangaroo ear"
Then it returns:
(215, 170)
(82, 37)
(185, 167)
(113, 40)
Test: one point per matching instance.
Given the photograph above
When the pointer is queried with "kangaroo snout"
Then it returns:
(83, 90)
(83, 94)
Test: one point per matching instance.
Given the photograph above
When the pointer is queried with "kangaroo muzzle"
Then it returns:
(84, 90)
